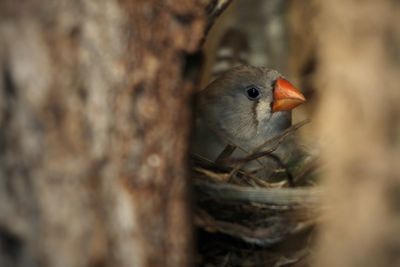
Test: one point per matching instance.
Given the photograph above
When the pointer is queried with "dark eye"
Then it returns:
(253, 93)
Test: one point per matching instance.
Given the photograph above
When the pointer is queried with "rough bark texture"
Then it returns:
(357, 64)
(93, 128)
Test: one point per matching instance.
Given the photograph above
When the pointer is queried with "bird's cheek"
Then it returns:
(263, 111)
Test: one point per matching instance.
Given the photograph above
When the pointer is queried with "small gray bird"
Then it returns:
(243, 107)
(246, 106)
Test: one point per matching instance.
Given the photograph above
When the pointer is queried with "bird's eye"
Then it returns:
(253, 93)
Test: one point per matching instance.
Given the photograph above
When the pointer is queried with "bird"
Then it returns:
(242, 107)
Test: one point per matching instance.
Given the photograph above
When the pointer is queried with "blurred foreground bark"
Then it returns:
(93, 128)
(357, 64)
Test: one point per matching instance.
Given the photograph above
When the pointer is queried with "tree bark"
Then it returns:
(94, 122)
(357, 66)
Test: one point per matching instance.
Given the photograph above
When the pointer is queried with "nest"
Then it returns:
(247, 220)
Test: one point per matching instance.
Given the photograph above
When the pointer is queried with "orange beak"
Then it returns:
(286, 96)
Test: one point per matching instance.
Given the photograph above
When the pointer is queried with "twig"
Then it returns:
(226, 153)
(215, 11)
(213, 171)
(278, 196)
(276, 141)
(272, 232)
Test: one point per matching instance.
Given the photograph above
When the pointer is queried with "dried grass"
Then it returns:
(248, 220)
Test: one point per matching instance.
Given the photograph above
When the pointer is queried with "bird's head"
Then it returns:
(249, 102)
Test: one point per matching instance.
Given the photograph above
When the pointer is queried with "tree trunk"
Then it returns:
(357, 74)
(94, 121)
